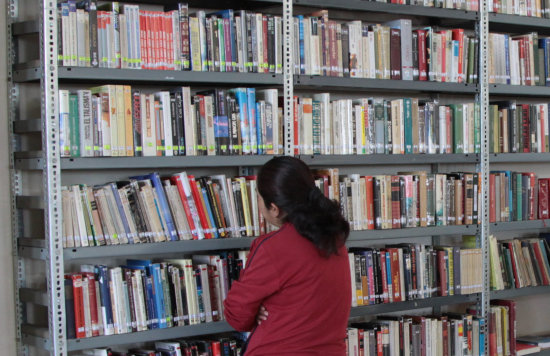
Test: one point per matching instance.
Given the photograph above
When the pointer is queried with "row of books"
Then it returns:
(515, 127)
(518, 263)
(448, 334)
(393, 50)
(534, 8)
(519, 59)
(468, 5)
(517, 196)
(118, 120)
(142, 295)
(383, 126)
(222, 346)
(149, 208)
(130, 36)
(407, 199)
(502, 328)
(413, 271)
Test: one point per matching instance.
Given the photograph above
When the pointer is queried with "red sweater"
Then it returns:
(307, 296)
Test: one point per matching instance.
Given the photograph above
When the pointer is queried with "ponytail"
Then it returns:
(288, 183)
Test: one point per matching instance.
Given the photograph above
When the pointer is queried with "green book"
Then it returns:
(74, 125)
(477, 129)
(316, 113)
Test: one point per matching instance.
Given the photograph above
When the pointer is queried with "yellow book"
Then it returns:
(129, 127)
(246, 207)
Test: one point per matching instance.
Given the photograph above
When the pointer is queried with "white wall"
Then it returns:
(7, 326)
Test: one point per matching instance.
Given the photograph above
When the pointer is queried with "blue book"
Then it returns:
(128, 236)
(170, 228)
(407, 120)
(209, 211)
(103, 278)
(301, 39)
(259, 128)
(242, 102)
(251, 106)
(543, 44)
(388, 274)
(153, 271)
(481, 336)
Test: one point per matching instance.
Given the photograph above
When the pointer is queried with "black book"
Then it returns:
(91, 8)
(377, 203)
(178, 99)
(345, 51)
(176, 123)
(70, 325)
(415, 54)
(136, 122)
(271, 43)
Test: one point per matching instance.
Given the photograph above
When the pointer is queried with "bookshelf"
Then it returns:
(45, 161)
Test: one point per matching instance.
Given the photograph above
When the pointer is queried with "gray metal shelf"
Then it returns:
(518, 90)
(374, 6)
(413, 304)
(220, 327)
(358, 238)
(88, 75)
(145, 162)
(35, 162)
(149, 335)
(516, 20)
(382, 159)
(362, 84)
(543, 157)
(519, 292)
(189, 246)
(25, 28)
(545, 352)
(519, 225)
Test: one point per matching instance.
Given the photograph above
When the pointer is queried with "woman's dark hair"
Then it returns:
(288, 183)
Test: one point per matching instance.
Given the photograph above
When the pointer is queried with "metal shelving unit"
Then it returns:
(46, 72)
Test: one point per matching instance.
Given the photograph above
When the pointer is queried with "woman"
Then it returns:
(294, 295)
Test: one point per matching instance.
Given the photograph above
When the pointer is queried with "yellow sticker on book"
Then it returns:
(139, 148)
(149, 144)
(107, 147)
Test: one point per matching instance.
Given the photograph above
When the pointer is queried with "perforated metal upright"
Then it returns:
(54, 340)
(482, 31)
(288, 78)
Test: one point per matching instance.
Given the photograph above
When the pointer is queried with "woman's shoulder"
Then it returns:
(273, 236)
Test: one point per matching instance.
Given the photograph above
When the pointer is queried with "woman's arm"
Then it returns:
(258, 281)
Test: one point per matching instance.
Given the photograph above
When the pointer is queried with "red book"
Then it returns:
(543, 198)
(90, 280)
(197, 197)
(422, 60)
(492, 334)
(216, 348)
(193, 219)
(80, 326)
(333, 46)
(458, 35)
(395, 54)
(511, 304)
(445, 336)
(449, 129)
(395, 275)
(443, 54)
(540, 261)
(395, 203)
(492, 197)
(531, 195)
(526, 349)
(369, 201)
(360, 341)
(379, 343)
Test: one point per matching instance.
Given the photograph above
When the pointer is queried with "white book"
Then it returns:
(125, 50)
(279, 45)
(307, 46)
(442, 129)
(314, 45)
(326, 122)
(73, 40)
(120, 121)
(148, 125)
(306, 129)
(371, 56)
(351, 259)
(164, 101)
(353, 341)
(355, 49)
(79, 215)
(210, 135)
(176, 42)
(86, 124)
(253, 196)
(139, 300)
(172, 347)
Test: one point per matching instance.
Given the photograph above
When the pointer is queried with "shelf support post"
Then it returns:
(288, 78)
